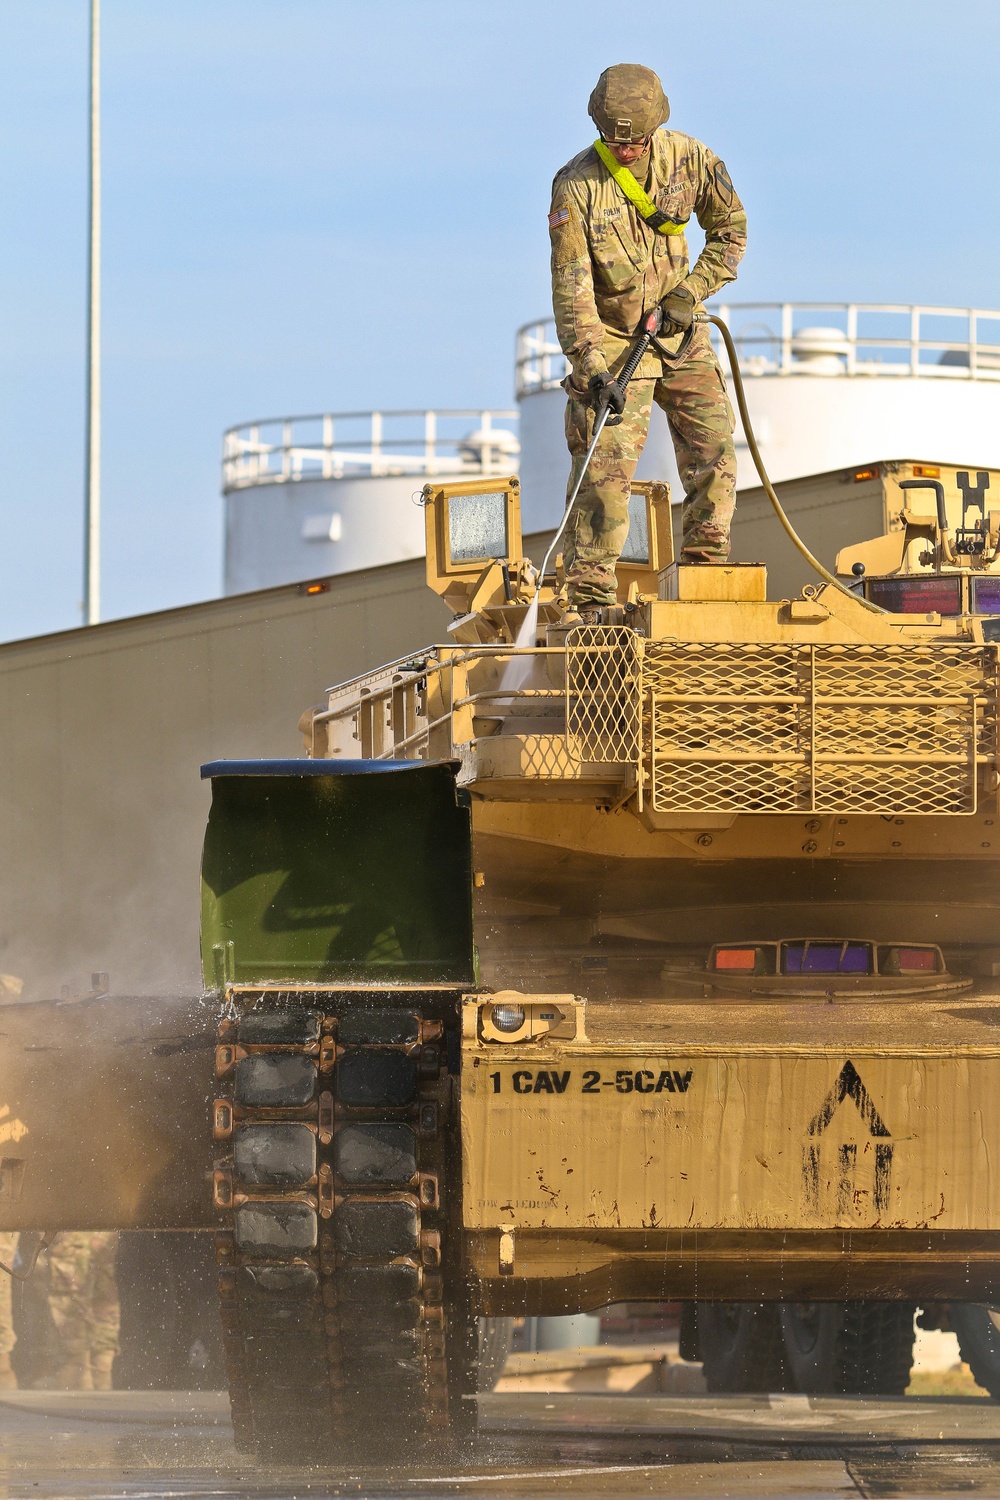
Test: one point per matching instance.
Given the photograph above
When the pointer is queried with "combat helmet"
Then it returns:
(628, 103)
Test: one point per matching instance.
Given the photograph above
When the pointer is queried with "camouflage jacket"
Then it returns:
(609, 267)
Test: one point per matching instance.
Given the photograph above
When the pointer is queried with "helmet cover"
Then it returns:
(628, 103)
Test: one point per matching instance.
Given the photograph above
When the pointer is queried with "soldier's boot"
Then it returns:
(8, 1380)
(590, 614)
(100, 1369)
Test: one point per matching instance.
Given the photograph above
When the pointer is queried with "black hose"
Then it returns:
(793, 535)
(43, 1244)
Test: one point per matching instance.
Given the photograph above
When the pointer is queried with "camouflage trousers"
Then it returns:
(83, 1294)
(8, 1249)
(700, 418)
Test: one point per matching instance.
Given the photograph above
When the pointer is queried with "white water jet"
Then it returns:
(517, 672)
(519, 669)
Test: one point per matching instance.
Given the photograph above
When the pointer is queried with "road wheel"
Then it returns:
(978, 1330)
(741, 1346)
(848, 1348)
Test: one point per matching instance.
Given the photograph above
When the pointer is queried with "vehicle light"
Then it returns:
(917, 960)
(917, 596)
(827, 958)
(741, 960)
(987, 596)
(860, 474)
(926, 471)
(506, 1017)
(922, 960)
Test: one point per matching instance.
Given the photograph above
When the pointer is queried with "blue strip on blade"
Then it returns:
(308, 767)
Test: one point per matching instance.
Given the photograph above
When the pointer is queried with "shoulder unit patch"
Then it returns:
(723, 183)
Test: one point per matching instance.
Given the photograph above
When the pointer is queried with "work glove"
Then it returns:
(606, 394)
(677, 308)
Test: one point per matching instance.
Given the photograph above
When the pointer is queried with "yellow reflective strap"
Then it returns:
(633, 192)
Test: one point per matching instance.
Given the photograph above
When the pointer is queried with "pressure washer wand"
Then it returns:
(648, 329)
(645, 337)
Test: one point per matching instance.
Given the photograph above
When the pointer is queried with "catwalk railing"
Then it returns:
(346, 445)
(829, 338)
(696, 727)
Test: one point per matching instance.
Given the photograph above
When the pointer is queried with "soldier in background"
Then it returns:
(619, 210)
(82, 1292)
(83, 1297)
(8, 1250)
(10, 991)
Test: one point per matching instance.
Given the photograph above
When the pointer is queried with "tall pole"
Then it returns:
(92, 510)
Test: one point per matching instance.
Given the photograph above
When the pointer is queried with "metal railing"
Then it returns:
(342, 445)
(693, 727)
(829, 338)
(424, 707)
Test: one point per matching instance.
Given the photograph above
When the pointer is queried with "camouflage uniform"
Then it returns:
(10, 990)
(8, 1250)
(84, 1300)
(608, 268)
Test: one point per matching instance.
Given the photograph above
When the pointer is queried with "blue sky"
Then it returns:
(339, 204)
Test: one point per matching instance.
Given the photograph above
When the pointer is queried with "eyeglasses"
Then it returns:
(639, 146)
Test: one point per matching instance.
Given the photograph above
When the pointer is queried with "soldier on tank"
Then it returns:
(619, 212)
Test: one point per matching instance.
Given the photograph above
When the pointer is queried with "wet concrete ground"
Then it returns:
(158, 1446)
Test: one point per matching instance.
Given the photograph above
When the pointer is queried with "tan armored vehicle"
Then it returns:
(654, 959)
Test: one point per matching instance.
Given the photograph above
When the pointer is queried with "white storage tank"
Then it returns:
(306, 497)
(829, 385)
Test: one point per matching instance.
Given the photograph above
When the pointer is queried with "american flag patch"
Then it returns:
(561, 216)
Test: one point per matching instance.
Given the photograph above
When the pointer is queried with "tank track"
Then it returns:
(338, 1179)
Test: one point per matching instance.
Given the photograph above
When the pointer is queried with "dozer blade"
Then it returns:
(331, 872)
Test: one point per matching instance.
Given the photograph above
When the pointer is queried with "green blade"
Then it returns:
(337, 877)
